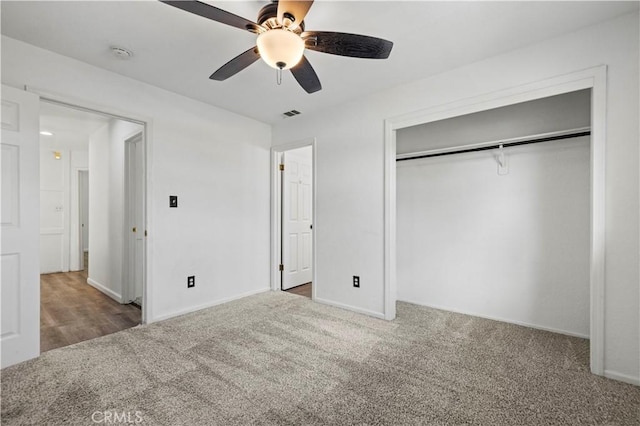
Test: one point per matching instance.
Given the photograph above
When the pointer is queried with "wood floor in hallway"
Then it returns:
(301, 290)
(72, 311)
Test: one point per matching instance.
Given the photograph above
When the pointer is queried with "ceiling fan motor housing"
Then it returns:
(268, 18)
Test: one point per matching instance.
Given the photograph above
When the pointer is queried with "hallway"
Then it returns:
(72, 311)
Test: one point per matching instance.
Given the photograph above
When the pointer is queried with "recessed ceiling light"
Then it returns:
(46, 133)
(121, 52)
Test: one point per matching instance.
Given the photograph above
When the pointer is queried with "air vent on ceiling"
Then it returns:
(291, 113)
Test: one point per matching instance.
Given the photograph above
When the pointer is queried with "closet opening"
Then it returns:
(494, 214)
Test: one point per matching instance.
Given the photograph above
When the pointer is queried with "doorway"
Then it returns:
(89, 159)
(293, 253)
(83, 206)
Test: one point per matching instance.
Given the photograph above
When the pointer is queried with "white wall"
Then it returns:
(513, 247)
(54, 210)
(99, 272)
(106, 205)
(217, 163)
(59, 237)
(350, 170)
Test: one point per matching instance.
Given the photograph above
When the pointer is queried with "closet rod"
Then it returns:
(506, 144)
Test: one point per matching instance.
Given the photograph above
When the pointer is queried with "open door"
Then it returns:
(20, 292)
(297, 230)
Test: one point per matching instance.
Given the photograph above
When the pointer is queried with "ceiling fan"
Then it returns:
(282, 39)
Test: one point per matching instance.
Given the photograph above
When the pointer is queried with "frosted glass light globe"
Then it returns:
(280, 49)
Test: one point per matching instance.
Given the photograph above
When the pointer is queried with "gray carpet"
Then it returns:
(277, 358)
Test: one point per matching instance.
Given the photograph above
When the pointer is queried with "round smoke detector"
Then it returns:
(121, 52)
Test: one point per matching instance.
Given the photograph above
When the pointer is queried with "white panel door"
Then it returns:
(134, 188)
(20, 290)
(296, 210)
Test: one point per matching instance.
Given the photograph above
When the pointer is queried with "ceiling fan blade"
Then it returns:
(236, 65)
(306, 76)
(345, 44)
(211, 12)
(296, 8)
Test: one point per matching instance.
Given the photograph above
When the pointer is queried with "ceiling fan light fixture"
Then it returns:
(280, 49)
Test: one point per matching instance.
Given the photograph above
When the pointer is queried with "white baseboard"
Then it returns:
(494, 318)
(350, 308)
(112, 294)
(206, 305)
(622, 377)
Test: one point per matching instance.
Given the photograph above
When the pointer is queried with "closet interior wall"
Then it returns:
(502, 234)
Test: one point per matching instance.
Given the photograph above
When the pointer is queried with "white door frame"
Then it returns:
(276, 212)
(147, 132)
(592, 78)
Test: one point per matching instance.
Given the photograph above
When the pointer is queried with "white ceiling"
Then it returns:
(178, 51)
(71, 128)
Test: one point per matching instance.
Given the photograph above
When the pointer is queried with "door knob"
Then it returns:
(134, 229)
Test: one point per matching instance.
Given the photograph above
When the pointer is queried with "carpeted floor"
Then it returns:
(276, 358)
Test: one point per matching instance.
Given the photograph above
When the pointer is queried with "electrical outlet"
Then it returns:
(356, 281)
(173, 201)
(191, 281)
